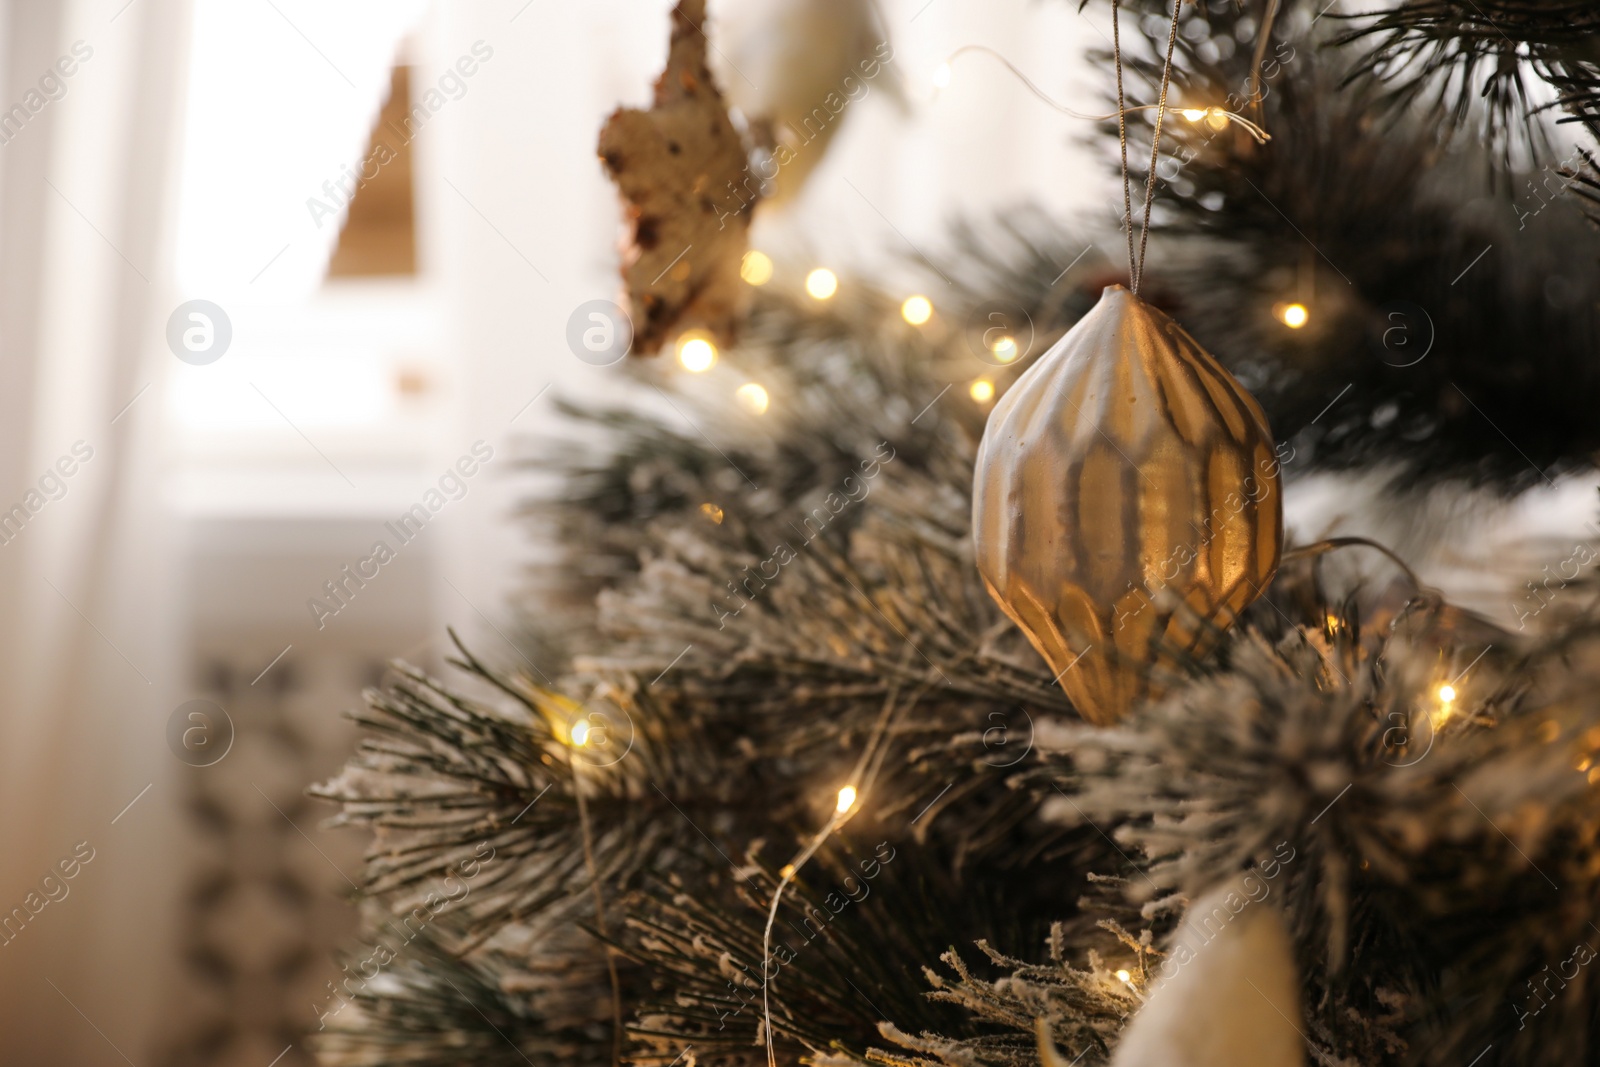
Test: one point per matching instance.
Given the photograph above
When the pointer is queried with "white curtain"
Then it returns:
(142, 143)
(88, 648)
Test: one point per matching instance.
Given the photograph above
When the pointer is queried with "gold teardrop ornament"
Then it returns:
(1125, 462)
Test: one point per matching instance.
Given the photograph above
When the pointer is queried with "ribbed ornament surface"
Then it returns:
(1124, 461)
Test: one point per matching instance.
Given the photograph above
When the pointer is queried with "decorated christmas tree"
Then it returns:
(957, 698)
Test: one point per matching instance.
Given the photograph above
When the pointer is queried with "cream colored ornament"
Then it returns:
(1126, 461)
(1227, 993)
(796, 69)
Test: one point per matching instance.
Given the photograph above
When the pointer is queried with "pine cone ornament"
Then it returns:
(1125, 462)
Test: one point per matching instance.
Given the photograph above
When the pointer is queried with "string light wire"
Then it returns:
(599, 909)
(1135, 265)
(1039, 93)
(1255, 131)
(865, 773)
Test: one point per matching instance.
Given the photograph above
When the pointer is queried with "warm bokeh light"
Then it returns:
(982, 390)
(822, 283)
(1440, 715)
(756, 267)
(847, 799)
(1005, 349)
(916, 310)
(1295, 316)
(712, 512)
(1124, 976)
(1215, 117)
(580, 734)
(696, 352)
(753, 397)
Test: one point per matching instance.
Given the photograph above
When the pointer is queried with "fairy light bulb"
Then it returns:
(696, 353)
(753, 397)
(1216, 118)
(847, 799)
(916, 310)
(1125, 977)
(1440, 715)
(822, 283)
(580, 734)
(1294, 315)
(982, 390)
(756, 267)
(1194, 114)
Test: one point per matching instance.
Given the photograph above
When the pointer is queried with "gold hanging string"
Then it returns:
(1122, 142)
(1136, 262)
(1262, 41)
(1155, 143)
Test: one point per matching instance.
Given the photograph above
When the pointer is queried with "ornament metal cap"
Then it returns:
(1126, 502)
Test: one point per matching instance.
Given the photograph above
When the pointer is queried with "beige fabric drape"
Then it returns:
(87, 643)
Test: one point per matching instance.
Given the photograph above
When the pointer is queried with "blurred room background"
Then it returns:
(388, 210)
